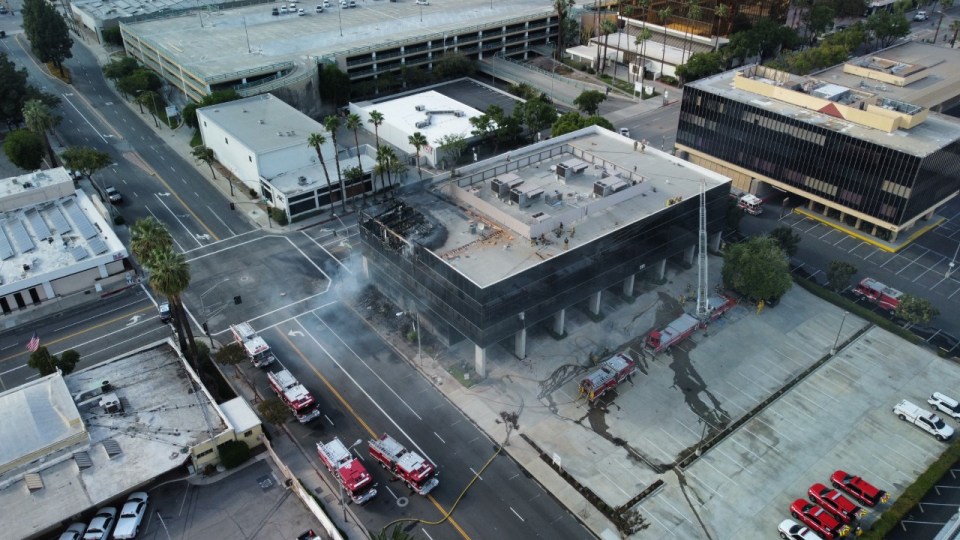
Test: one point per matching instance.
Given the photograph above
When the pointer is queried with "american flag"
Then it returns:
(34, 343)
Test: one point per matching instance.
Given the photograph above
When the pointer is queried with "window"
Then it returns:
(248, 433)
(205, 453)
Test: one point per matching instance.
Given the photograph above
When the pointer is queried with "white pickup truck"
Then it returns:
(923, 419)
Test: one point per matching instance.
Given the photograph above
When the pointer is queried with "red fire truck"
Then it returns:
(407, 466)
(256, 348)
(887, 298)
(294, 395)
(347, 470)
(681, 328)
(609, 374)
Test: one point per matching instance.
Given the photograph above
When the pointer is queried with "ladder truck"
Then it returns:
(347, 469)
(683, 326)
(407, 466)
(608, 376)
(883, 296)
(256, 348)
(294, 395)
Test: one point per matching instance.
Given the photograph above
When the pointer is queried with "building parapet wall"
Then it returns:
(871, 73)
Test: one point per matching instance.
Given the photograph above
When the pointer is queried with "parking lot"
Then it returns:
(838, 418)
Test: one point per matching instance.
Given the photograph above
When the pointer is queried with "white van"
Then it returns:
(319, 9)
(946, 405)
(301, 12)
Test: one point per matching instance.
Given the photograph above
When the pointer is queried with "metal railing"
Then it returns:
(278, 66)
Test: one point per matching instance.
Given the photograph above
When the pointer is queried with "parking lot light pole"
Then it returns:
(833, 350)
(953, 262)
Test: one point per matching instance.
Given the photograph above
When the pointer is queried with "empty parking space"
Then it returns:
(477, 95)
(840, 417)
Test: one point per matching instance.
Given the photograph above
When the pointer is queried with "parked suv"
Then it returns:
(945, 404)
(114, 195)
(920, 16)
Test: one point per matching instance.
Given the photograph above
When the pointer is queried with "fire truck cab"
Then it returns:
(750, 204)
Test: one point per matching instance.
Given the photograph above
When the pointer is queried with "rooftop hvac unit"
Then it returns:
(423, 123)
(302, 180)
(421, 107)
(111, 403)
(525, 197)
(502, 185)
(608, 186)
(553, 199)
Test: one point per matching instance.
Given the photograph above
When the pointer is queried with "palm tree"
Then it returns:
(562, 8)
(641, 40)
(316, 140)
(147, 237)
(39, 119)
(148, 98)
(720, 13)
(385, 158)
(353, 124)
(944, 4)
(664, 16)
(693, 14)
(955, 26)
(204, 154)
(418, 140)
(376, 118)
(332, 123)
(170, 276)
(397, 533)
(607, 27)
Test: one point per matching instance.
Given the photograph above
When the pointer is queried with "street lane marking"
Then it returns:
(156, 175)
(190, 234)
(99, 314)
(475, 473)
(439, 437)
(216, 215)
(95, 130)
(179, 246)
(394, 495)
(373, 434)
(327, 252)
(516, 514)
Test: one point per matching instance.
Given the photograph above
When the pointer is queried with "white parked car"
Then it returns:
(920, 16)
(74, 531)
(128, 526)
(791, 530)
(301, 12)
(318, 9)
(924, 420)
(946, 405)
(625, 132)
(423, 2)
(101, 524)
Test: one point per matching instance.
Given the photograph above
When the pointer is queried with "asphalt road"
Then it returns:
(928, 517)
(659, 126)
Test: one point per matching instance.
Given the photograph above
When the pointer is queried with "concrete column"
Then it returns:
(893, 236)
(103, 271)
(480, 361)
(689, 253)
(48, 290)
(595, 302)
(874, 230)
(714, 242)
(366, 266)
(810, 205)
(520, 343)
(661, 269)
(559, 322)
(857, 224)
(628, 285)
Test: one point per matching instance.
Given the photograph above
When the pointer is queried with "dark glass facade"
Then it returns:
(884, 183)
(457, 307)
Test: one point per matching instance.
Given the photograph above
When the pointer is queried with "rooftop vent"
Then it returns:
(302, 180)
(279, 134)
(112, 447)
(33, 481)
(83, 460)
(261, 122)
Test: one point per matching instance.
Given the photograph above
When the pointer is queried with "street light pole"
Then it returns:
(833, 350)
(953, 262)
(203, 310)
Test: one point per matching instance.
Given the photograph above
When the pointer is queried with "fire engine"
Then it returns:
(750, 204)
(294, 395)
(610, 373)
(887, 298)
(348, 470)
(256, 348)
(413, 470)
(681, 328)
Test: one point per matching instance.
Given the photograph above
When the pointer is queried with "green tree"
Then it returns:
(453, 65)
(451, 144)
(818, 19)
(839, 274)
(523, 90)
(332, 124)
(597, 120)
(641, 41)
(720, 14)
(170, 276)
(47, 32)
(701, 65)
(141, 80)
(273, 411)
(39, 119)
(955, 26)
(664, 16)
(13, 90)
(85, 160)
(694, 12)
(588, 102)
(43, 361)
(68, 361)
(153, 101)
(757, 268)
(334, 85)
(849, 8)
(353, 123)
(887, 27)
(120, 68)
(397, 533)
(221, 96)
(915, 310)
(537, 115)
(573, 121)
(147, 238)
(607, 27)
(385, 158)
(418, 141)
(233, 453)
(354, 177)
(24, 149)
(787, 239)
(230, 355)
(317, 140)
(206, 155)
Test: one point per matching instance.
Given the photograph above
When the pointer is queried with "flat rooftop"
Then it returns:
(220, 46)
(294, 182)
(49, 230)
(939, 64)
(105, 10)
(437, 115)
(489, 238)
(265, 123)
(164, 414)
(935, 132)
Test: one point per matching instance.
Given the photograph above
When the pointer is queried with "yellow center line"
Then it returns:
(373, 434)
(84, 331)
(173, 192)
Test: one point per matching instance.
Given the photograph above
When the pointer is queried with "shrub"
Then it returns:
(118, 220)
(590, 70)
(233, 453)
(253, 193)
(279, 215)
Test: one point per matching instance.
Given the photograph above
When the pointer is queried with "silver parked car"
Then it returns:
(101, 524)
(128, 526)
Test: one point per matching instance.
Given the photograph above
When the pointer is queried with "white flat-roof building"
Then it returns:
(75, 442)
(263, 142)
(431, 113)
(54, 245)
